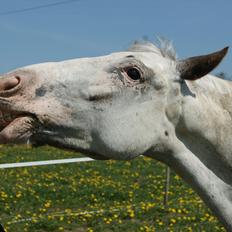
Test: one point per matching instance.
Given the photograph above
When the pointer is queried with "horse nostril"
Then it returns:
(8, 83)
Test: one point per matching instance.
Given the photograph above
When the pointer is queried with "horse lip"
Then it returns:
(7, 117)
(18, 130)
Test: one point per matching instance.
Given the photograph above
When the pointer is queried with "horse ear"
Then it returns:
(196, 67)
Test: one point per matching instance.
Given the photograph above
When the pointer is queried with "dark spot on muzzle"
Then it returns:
(41, 91)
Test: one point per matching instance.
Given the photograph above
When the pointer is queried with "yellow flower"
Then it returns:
(47, 204)
(131, 213)
(19, 194)
(173, 220)
(160, 223)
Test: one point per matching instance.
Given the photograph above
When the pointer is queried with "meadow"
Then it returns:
(95, 196)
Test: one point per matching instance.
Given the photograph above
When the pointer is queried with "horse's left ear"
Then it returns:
(196, 67)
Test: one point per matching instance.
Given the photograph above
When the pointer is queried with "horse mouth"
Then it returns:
(6, 118)
(15, 127)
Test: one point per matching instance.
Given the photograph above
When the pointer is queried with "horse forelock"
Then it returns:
(165, 48)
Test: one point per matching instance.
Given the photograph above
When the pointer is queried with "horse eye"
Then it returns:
(133, 73)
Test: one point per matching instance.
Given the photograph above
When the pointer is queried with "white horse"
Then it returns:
(120, 106)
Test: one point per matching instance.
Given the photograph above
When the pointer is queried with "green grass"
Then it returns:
(95, 196)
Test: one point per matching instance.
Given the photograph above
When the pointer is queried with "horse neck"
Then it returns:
(203, 146)
(215, 192)
(205, 124)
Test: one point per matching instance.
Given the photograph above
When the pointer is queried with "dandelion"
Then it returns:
(173, 220)
(160, 223)
(131, 213)
(47, 204)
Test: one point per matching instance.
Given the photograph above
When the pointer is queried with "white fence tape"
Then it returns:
(65, 214)
(45, 162)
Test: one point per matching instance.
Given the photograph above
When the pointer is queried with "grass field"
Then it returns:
(95, 196)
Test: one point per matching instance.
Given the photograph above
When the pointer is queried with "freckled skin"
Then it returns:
(97, 106)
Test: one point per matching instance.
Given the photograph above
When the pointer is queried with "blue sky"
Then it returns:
(98, 27)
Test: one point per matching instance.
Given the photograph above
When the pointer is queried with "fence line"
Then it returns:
(71, 213)
(45, 162)
(65, 214)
